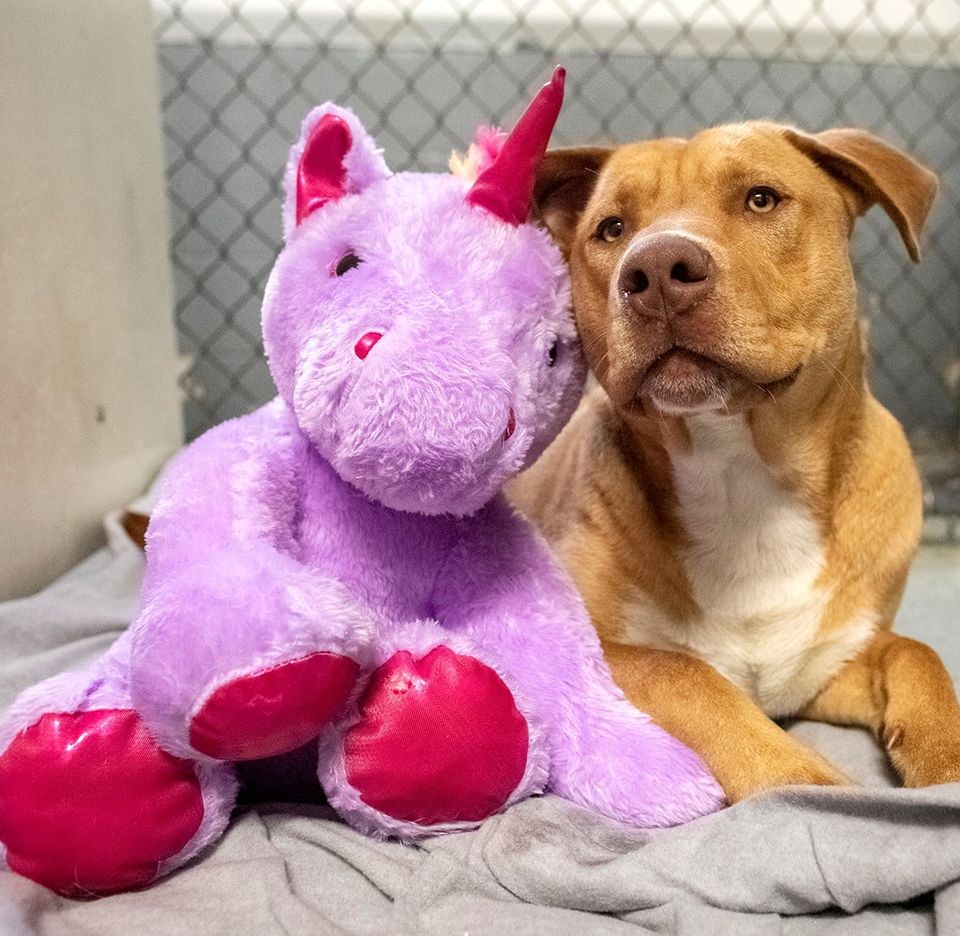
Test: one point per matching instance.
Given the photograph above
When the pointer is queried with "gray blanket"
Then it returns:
(871, 861)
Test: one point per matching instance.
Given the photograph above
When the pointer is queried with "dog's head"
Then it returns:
(713, 273)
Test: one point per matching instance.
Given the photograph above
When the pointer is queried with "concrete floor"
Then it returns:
(931, 605)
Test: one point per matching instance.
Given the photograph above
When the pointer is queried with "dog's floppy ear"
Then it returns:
(565, 179)
(875, 173)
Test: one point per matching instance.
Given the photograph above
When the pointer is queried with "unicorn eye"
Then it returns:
(552, 353)
(349, 261)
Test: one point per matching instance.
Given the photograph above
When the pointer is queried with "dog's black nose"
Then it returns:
(665, 275)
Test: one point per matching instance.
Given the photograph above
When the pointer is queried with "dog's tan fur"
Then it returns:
(737, 509)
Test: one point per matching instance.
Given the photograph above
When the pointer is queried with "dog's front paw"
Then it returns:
(791, 766)
(927, 758)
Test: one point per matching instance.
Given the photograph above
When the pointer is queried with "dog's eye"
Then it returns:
(609, 229)
(349, 261)
(762, 199)
(552, 353)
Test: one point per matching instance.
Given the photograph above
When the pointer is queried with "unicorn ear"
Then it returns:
(335, 156)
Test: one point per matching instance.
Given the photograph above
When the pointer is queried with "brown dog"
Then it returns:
(737, 509)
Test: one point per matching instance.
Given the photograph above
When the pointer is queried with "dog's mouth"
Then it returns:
(682, 381)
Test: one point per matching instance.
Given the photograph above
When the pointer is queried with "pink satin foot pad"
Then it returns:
(273, 710)
(89, 805)
(440, 739)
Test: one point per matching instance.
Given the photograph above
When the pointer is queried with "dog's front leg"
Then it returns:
(744, 749)
(899, 689)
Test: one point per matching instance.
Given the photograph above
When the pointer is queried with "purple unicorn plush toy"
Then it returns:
(341, 565)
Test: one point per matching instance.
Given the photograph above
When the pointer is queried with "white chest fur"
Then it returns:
(754, 559)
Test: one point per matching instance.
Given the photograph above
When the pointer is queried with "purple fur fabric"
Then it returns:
(359, 512)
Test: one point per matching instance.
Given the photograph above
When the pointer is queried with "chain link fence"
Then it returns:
(237, 76)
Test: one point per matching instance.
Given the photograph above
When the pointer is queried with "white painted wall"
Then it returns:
(88, 401)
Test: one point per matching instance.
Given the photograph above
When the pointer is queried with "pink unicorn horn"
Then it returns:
(505, 188)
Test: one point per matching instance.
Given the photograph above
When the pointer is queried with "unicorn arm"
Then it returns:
(235, 486)
(503, 587)
(226, 597)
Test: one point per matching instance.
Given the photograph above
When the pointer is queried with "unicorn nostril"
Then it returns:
(511, 425)
(365, 343)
